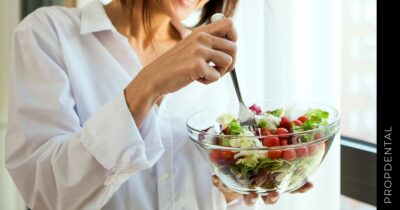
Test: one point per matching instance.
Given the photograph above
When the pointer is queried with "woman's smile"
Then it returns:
(181, 9)
(187, 3)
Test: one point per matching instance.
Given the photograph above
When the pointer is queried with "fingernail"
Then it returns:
(253, 200)
(214, 180)
(274, 198)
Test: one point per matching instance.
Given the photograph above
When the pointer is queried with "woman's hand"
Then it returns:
(188, 60)
(184, 63)
(250, 199)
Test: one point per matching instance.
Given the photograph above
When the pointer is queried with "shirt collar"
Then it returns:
(94, 18)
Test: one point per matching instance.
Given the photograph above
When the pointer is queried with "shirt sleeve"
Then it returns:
(55, 162)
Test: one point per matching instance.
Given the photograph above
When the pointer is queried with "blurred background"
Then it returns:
(324, 50)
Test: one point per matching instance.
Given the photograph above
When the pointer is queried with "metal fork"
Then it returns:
(246, 117)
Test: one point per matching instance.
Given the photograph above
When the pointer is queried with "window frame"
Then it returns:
(358, 170)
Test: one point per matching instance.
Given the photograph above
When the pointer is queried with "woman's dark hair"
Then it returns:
(227, 7)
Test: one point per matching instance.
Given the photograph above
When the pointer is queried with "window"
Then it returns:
(358, 104)
(358, 96)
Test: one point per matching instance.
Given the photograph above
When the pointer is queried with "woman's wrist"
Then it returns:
(140, 96)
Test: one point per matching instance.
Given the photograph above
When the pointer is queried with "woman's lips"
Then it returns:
(187, 3)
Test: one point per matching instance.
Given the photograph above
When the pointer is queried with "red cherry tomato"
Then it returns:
(302, 152)
(226, 155)
(289, 154)
(312, 149)
(274, 154)
(297, 122)
(303, 118)
(285, 123)
(281, 131)
(214, 156)
(318, 136)
(284, 142)
(225, 131)
(265, 132)
(271, 141)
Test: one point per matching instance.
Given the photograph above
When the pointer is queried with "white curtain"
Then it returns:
(289, 49)
(9, 17)
(81, 3)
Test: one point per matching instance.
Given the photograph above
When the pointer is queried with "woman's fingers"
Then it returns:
(221, 60)
(220, 42)
(220, 51)
(217, 45)
(225, 46)
(189, 59)
(217, 183)
(228, 194)
(250, 199)
(306, 187)
(222, 28)
(271, 198)
(209, 74)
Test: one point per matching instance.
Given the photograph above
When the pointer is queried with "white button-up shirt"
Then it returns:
(72, 143)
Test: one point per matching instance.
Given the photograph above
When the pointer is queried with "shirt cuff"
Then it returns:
(114, 140)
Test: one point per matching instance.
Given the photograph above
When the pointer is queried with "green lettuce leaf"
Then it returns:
(262, 123)
(234, 128)
(276, 112)
(316, 118)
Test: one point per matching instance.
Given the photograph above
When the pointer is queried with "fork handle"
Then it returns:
(216, 17)
(236, 85)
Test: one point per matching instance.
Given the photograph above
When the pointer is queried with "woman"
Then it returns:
(89, 127)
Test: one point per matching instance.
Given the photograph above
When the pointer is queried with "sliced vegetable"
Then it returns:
(285, 123)
(274, 154)
(226, 154)
(312, 149)
(301, 152)
(214, 156)
(265, 169)
(256, 109)
(271, 141)
(262, 123)
(297, 122)
(265, 132)
(289, 154)
(303, 118)
(276, 112)
(284, 142)
(318, 136)
(281, 131)
(234, 128)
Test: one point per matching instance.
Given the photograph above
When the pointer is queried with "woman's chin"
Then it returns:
(181, 9)
(180, 15)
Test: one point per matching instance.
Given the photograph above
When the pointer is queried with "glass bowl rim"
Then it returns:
(335, 121)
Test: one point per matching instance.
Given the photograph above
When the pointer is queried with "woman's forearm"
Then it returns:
(140, 96)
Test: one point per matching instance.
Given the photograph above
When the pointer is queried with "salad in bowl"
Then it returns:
(279, 153)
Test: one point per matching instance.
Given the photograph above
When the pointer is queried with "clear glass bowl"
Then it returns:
(267, 172)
